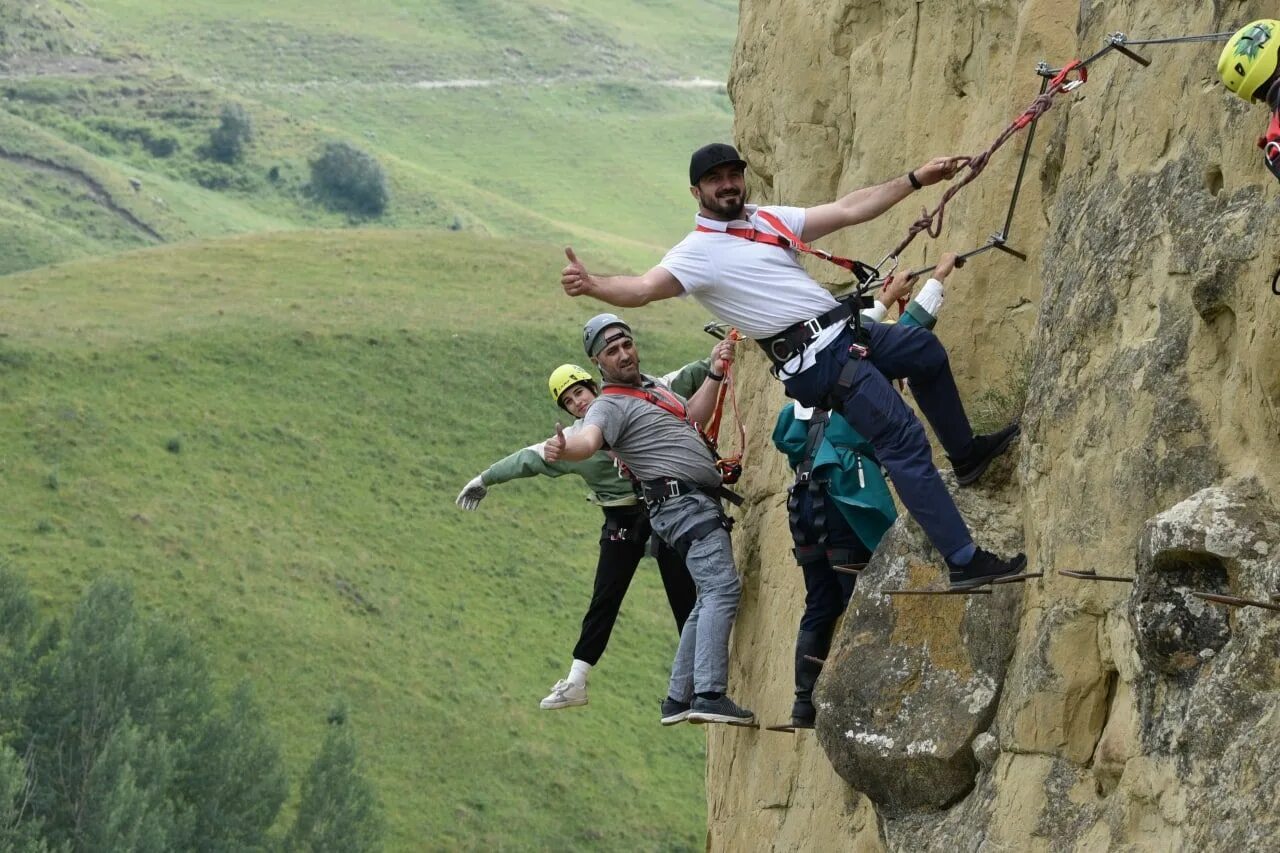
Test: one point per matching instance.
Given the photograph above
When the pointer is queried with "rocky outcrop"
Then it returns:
(913, 679)
(1129, 716)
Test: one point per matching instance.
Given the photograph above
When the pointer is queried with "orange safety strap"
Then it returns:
(727, 392)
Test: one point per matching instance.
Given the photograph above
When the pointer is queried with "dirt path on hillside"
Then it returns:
(93, 189)
(464, 83)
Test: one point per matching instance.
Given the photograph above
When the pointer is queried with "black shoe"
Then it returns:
(984, 568)
(984, 451)
(803, 715)
(722, 710)
(674, 711)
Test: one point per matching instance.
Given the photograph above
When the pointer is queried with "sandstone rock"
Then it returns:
(1154, 346)
(912, 680)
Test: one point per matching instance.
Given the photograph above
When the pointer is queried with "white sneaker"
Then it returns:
(565, 694)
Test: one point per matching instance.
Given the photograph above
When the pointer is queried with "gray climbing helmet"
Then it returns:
(592, 338)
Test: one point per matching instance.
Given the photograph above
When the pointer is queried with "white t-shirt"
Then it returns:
(759, 288)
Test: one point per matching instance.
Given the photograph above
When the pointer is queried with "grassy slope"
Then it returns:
(581, 141)
(266, 435)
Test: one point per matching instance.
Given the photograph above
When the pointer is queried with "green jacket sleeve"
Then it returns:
(688, 379)
(916, 315)
(522, 463)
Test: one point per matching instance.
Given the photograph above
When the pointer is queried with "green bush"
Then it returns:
(346, 178)
(227, 141)
(157, 141)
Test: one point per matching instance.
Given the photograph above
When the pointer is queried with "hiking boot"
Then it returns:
(565, 694)
(984, 568)
(809, 644)
(722, 710)
(674, 711)
(984, 451)
(803, 714)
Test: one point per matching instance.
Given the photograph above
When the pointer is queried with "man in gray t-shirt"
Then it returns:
(652, 431)
(653, 442)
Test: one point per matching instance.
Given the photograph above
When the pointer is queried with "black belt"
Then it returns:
(656, 491)
(793, 340)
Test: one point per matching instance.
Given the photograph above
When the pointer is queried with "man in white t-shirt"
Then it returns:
(740, 265)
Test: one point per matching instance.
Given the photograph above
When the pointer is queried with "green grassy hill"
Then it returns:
(562, 120)
(260, 410)
(266, 434)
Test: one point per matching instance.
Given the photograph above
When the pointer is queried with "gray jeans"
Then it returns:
(702, 659)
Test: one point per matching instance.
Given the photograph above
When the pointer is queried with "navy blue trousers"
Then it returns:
(826, 591)
(874, 408)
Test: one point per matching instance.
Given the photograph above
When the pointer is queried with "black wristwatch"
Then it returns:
(915, 182)
(714, 378)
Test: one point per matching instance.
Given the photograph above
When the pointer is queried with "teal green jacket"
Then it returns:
(865, 503)
(608, 486)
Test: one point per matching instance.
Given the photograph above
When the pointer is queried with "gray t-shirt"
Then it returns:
(650, 440)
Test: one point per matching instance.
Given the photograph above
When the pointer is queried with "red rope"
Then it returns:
(932, 222)
(727, 392)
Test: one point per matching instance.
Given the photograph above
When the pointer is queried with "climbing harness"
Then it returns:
(1270, 143)
(655, 492)
(730, 466)
(786, 239)
(793, 340)
(810, 540)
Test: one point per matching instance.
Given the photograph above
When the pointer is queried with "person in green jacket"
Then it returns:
(624, 535)
(840, 506)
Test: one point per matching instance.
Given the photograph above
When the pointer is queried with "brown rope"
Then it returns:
(931, 222)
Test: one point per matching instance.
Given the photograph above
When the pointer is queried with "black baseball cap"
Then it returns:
(708, 157)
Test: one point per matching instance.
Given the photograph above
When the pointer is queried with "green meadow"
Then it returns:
(266, 434)
(259, 410)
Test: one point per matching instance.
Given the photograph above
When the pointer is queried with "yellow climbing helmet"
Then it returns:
(1250, 58)
(565, 377)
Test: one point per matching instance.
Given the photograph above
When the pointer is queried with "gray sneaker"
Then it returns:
(722, 710)
(674, 711)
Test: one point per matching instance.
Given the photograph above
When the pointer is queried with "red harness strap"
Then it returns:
(730, 469)
(658, 396)
(1270, 144)
(788, 240)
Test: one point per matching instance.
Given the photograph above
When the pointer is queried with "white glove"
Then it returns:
(472, 493)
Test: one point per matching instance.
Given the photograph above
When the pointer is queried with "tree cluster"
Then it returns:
(111, 738)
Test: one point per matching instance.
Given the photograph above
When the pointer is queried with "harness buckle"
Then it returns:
(673, 488)
(859, 350)
(812, 326)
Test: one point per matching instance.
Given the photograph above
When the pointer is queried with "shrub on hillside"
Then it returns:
(156, 139)
(227, 141)
(346, 178)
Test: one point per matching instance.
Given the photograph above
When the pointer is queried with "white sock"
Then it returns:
(578, 672)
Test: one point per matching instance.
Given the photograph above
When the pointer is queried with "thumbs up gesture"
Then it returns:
(553, 448)
(574, 278)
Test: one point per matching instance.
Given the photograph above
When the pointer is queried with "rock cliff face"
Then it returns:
(1065, 714)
